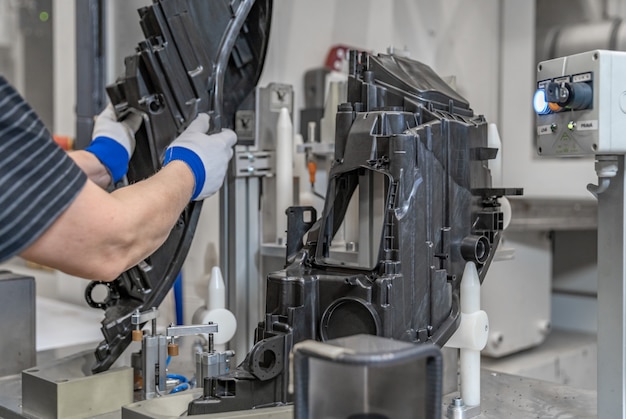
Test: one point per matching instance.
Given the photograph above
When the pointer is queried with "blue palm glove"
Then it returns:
(113, 142)
(206, 155)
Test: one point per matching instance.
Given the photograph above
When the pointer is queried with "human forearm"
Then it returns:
(106, 158)
(156, 204)
(92, 167)
(100, 235)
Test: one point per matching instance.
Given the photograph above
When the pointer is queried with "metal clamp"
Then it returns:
(191, 330)
(141, 317)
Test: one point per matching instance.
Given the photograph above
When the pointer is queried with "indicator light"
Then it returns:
(540, 103)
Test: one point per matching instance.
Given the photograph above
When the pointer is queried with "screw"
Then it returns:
(497, 339)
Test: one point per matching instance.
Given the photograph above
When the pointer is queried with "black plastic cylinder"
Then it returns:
(475, 249)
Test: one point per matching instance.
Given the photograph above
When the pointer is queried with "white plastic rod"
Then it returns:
(301, 172)
(284, 172)
(216, 291)
(470, 358)
(215, 311)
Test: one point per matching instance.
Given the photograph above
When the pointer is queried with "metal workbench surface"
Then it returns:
(510, 396)
(503, 396)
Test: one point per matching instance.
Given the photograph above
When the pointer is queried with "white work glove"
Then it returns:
(206, 155)
(113, 142)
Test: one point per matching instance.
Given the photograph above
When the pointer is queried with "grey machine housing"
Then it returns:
(418, 156)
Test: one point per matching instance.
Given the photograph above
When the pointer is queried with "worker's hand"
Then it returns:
(113, 142)
(206, 155)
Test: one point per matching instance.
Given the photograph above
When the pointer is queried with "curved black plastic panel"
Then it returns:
(169, 80)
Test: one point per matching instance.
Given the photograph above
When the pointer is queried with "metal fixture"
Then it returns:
(156, 348)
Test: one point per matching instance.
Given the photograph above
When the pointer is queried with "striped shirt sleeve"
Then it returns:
(38, 180)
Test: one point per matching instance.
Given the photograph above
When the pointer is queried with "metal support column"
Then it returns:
(612, 298)
(90, 68)
(239, 256)
(241, 232)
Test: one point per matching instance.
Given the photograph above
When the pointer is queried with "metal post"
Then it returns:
(225, 227)
(243, 247)
(239, 246)
(90, 68)
(240, 216)
(256, 303)
(612, 298)
(150, 360)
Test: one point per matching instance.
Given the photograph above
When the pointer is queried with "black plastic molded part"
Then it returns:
(404, 125)
(297, 226)
(169, 80)
(405, 84)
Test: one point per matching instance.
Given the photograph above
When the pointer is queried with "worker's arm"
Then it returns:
(95, 170)
(106, 159)
(100, 235)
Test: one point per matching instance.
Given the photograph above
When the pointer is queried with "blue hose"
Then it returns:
(178, 304)
(178, 377)
(179, 388)
(183, 383)
(178, 298)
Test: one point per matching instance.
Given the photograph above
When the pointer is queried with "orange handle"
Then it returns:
(312, 169)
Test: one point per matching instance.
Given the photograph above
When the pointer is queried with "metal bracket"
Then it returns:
(193, 329)
(142, 317)
(316, 148)
(254, 163)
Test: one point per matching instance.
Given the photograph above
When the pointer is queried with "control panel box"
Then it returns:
(580, 104)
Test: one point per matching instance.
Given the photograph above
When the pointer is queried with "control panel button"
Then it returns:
(575, 96)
